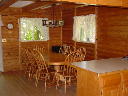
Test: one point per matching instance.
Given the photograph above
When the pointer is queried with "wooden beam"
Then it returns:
(5, 4)
(36, 5)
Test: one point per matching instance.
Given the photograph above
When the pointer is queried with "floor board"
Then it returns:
(16, 84)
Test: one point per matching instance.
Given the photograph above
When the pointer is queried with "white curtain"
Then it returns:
(84, 28)
(32, 24)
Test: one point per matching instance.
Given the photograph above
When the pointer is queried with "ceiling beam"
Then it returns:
(37, 5)
(5, 4)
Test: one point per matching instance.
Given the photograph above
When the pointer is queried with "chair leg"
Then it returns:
(65, 85)
(45, 84)
(57, 83)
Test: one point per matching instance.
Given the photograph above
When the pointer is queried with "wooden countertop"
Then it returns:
(103, 65)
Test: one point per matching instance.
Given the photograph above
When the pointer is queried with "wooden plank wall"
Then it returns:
(68, 28)
(68, 25)
(55, 33)
(112, 27)
(112, 32)
(11, 46)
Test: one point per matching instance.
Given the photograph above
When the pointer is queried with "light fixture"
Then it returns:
(53, 22)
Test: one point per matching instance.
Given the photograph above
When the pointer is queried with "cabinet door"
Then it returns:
(125, 82)
(87, 83)
(110, 84)
(110, 2)
(111, 91)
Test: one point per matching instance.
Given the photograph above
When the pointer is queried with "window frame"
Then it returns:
(19, 23)
(88, 42)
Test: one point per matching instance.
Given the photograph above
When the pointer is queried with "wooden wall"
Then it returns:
(11, 46)
(68, 28)
(55, 33)
(112, 27)
(112, 32)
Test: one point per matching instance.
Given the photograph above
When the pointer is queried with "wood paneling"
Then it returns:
(68, 25)
(125, 3)
(124, 75)
(112, 32)
(87, 83)
(110, 84)
(104, 84)
(11, 46)
(85, 10)
(110, 2)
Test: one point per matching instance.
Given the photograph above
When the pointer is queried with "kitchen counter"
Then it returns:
(103, 65)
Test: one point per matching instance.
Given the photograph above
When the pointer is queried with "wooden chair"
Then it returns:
(23, 58)
(67, 73)
(82, 52)
(66, 49)
(42, 72)
(31, 65)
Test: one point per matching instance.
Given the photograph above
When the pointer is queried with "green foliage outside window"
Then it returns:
(32, 29)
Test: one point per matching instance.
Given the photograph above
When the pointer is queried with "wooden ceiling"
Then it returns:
(37, 5)
(5, 4)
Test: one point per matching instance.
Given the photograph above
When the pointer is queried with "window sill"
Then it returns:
(33, 41)
(85, 42)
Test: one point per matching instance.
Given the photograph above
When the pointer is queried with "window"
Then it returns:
(84, 28)
(31, 29)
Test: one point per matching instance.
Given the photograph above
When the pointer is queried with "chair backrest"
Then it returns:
(66, 49)
(82, 52)
(42, 66)
(72, 57)
(42, 50)
(27, 57)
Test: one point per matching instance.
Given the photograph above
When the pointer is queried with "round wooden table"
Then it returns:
(56, 60)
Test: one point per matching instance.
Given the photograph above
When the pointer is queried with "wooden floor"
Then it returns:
(15, 84)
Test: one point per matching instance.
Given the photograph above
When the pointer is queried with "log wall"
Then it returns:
(112, 27)
(112, 32)
(11, 46)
